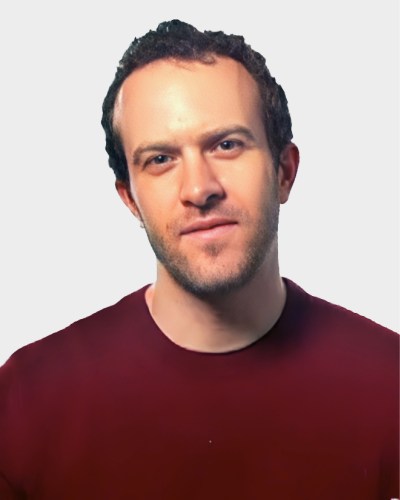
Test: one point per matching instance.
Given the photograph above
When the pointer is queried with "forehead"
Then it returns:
(171, 97)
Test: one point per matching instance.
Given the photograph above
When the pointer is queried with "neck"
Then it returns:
(222, 324)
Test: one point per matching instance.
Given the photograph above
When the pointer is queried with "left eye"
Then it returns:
(228, 145)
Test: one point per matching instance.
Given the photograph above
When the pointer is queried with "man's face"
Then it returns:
(201, 173)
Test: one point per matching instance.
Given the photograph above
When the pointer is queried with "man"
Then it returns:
(222, 379)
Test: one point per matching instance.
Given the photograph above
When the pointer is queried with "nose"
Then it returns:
(200, 185)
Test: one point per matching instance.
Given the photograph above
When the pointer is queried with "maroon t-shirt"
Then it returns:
(110, 408)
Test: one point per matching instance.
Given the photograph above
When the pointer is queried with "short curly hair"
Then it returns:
(178, 40)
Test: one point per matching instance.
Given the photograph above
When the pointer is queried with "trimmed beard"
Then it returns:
(179, 267)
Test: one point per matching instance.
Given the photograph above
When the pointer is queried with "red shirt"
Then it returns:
(109, 408)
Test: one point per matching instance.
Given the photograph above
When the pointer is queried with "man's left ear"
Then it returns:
(288, 165)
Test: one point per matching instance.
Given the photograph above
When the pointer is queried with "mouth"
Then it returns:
(209, 228)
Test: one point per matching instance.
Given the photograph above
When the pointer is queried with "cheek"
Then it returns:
(252, 187)
(155, 206)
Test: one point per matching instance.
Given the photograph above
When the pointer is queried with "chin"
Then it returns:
(218, 270)
(218, 284)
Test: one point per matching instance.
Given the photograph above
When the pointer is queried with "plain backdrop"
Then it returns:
(68, 245)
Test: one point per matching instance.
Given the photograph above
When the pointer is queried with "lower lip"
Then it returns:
(214, 232)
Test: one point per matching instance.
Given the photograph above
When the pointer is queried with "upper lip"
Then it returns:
(204, 224)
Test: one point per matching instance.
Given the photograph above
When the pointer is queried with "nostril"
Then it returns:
(214, 198)
(202, 198)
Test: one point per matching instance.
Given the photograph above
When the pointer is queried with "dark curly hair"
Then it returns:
(178, 40)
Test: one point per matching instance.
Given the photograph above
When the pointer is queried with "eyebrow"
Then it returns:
(153, 147)
(206, 139)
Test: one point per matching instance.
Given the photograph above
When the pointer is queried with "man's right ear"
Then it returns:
(125, 194)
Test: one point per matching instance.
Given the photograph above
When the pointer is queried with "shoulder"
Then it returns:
(322, 313)
(93, 333)
(343, 335)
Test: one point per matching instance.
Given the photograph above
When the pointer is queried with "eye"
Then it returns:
(158, 160)
(228, 148)
(229, 144)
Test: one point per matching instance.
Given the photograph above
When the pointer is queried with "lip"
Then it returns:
(208, 226)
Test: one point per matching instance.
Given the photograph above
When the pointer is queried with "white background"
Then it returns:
(68, 245)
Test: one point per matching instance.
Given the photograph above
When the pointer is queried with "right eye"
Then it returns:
(158, 160)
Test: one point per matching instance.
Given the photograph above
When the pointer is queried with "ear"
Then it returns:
(288, 165)
(125, 194)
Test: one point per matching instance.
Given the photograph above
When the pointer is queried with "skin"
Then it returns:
(203, 182)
